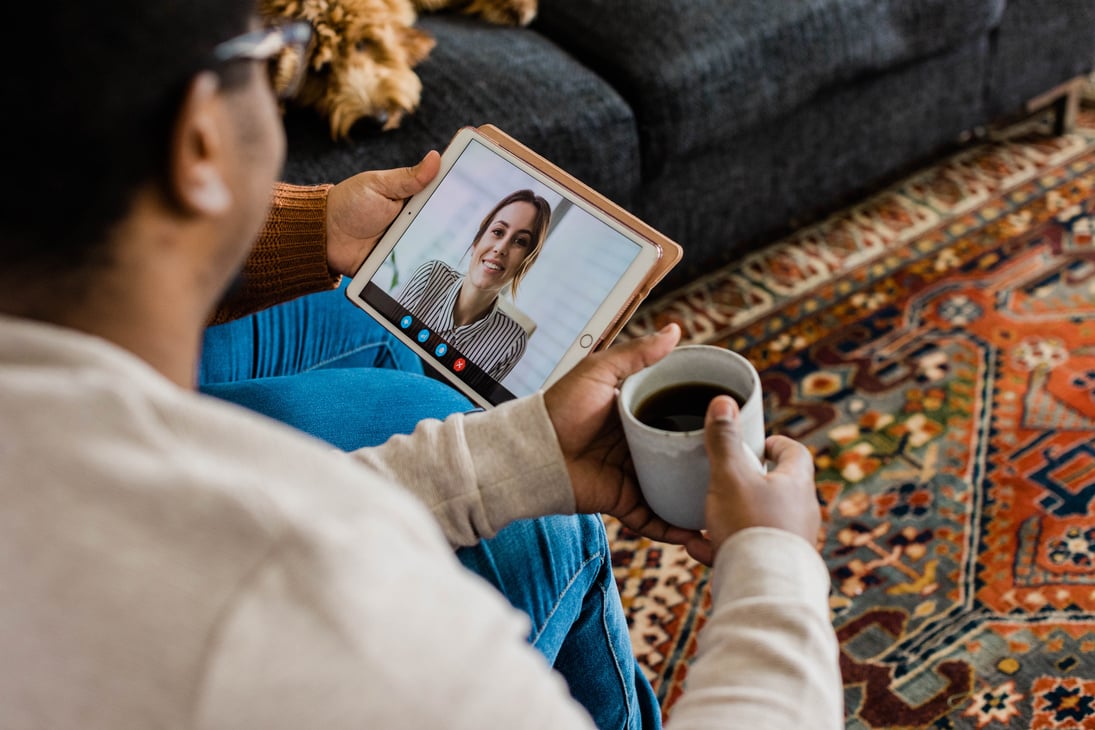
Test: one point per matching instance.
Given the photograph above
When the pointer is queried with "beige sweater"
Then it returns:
(171, 561)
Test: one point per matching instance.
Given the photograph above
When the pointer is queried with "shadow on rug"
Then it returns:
(935, 349)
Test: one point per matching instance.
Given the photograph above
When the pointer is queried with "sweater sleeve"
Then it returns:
(289, 258)
(768, 657)
(481, 471)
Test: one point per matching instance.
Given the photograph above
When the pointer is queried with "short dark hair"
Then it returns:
(89, 112)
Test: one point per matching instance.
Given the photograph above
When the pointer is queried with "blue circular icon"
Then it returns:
(441, 349)
(423, 335)
(406, 321)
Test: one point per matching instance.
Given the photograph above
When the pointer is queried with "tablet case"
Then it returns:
(670, 250)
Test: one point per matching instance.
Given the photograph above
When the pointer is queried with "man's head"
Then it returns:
(127, 130)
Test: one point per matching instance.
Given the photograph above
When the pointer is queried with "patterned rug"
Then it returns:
(935, 349)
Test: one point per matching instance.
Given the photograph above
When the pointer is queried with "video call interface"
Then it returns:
(443, 355)
(580, 262)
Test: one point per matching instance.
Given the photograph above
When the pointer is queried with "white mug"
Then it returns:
(671, 465)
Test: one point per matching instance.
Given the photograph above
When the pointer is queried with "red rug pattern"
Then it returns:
(935, 349)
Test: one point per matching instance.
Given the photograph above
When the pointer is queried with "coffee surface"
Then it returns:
(682, 406)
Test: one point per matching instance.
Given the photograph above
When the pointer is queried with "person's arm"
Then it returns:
(303, 643)
(316, 234)
(767, 657)
(768, 653)
(289, 258)
(529, 458)
(479, 472)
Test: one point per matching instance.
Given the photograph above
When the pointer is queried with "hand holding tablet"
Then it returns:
(505, 271)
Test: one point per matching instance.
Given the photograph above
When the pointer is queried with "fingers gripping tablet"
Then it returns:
(505, 270)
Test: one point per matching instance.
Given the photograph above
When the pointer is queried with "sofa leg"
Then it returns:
(1051, 113)
(1064, 100)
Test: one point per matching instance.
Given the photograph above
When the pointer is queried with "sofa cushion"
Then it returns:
(513, 78)
(1034, 44)
(698, 70)
(726, 201)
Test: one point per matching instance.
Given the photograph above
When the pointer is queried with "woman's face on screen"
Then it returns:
(499, 252)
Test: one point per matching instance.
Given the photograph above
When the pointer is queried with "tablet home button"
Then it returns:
(586, 341)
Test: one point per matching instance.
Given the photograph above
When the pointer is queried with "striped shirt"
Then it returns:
(494, 343)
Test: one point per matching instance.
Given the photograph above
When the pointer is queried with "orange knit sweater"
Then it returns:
(289, 258)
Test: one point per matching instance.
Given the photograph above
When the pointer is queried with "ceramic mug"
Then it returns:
(662, 408)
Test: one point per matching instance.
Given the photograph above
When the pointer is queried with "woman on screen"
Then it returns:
(464, 309)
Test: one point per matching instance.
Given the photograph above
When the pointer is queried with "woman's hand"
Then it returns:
(582, 407)
(360, 209)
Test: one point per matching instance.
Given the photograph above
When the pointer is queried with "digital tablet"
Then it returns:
(506, 271)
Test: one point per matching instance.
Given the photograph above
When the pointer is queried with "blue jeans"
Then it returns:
(320, 364)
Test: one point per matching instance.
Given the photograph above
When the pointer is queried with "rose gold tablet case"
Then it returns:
(670, 251)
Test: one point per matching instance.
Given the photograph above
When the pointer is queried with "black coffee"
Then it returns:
(681, 407)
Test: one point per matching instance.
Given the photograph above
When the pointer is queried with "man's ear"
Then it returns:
(198, 146)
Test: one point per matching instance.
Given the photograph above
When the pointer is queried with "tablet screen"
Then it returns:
(501, 279)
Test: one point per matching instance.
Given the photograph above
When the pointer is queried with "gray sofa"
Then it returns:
(725, 123)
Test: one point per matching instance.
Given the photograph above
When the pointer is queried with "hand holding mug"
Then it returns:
(582, 408)
(738, 496)
(694, 423)
(663, 408)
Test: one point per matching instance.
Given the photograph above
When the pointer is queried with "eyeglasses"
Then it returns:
(284, 48)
